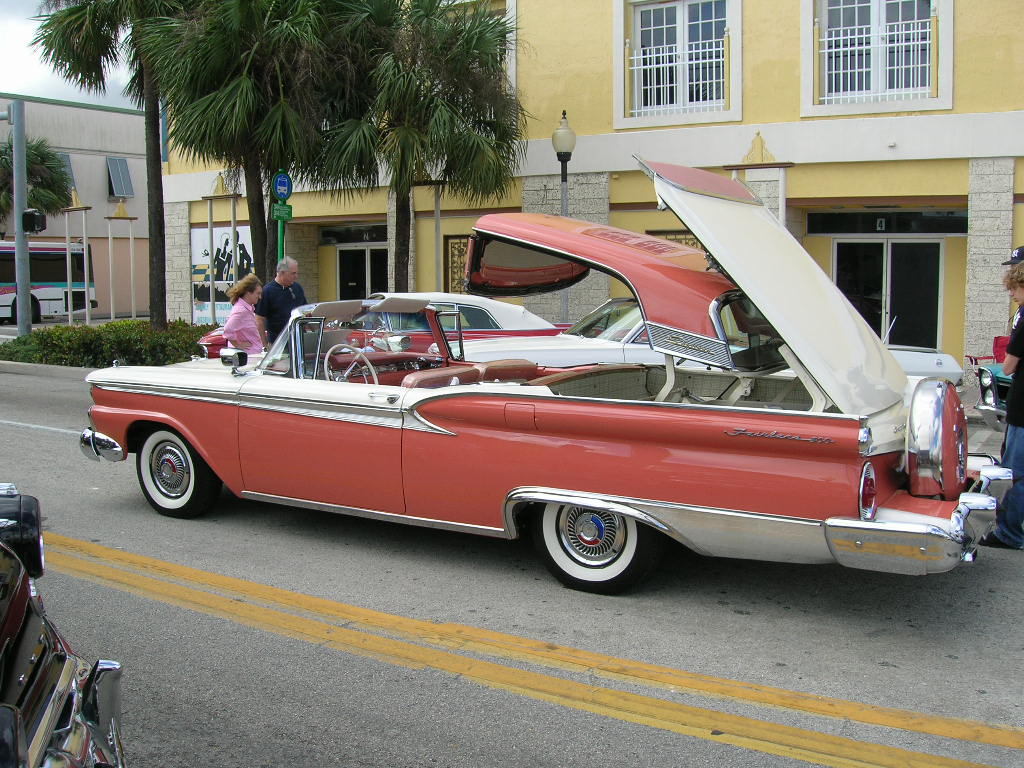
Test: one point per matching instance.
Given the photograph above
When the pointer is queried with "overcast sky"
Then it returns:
(24, 74)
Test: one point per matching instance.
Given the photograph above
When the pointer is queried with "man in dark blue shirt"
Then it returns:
(280, 296)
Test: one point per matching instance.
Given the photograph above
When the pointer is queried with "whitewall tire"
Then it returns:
(174, 478)
(596, 550)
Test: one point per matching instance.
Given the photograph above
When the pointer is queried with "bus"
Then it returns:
(48, 272)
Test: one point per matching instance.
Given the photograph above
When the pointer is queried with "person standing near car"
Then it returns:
(241, 330)
(1009, 530)
(280, 296)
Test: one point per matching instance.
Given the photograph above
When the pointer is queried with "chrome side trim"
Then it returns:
(180, 393)
(63, 688)
(544, 395)
(709, 531)
(358, 413)
(425, 522)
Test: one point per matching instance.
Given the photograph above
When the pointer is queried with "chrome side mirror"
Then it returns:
(235, 358)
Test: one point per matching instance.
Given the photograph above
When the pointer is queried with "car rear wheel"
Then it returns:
(174, 478)
(596, 550)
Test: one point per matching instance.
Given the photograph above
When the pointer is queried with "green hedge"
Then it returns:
(132, 342)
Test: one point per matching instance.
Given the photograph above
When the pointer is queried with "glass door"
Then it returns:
(362, 270)
(895, 285)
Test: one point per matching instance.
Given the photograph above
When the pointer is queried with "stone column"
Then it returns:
(300, 243)
(178, 261)
(588, 200)
(989, 242)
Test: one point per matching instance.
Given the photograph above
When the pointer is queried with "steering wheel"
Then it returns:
(360, 359)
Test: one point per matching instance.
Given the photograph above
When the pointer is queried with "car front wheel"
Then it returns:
(174, 478)
(595, 550)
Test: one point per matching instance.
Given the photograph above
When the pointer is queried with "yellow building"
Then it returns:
(886, 133)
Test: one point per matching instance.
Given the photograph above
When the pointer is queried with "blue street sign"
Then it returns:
(283, 186)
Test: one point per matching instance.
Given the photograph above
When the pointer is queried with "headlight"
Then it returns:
(989, 397)
(985, 377)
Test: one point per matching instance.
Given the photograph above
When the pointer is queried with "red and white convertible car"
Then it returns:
(606, 463)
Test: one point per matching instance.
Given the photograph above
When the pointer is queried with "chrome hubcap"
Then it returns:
(591, 537)
(170, 470)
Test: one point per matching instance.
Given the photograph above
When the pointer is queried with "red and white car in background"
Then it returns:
(477, 317)
(842, 460)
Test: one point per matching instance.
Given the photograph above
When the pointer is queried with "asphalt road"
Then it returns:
(269, 636)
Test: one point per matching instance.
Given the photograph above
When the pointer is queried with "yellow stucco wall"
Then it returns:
(820, 248)
(771, 61)
(911, 178)
(988, 57)
(564, 61)
(954, 296)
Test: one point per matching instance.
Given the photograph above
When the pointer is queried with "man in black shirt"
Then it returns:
(1009, 530)
(280, 296)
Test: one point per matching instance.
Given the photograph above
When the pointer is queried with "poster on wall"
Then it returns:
(225, 272)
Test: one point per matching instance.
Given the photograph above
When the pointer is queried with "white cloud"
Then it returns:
(24, 74)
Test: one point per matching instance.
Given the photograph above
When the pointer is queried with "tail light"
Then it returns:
(868, 499)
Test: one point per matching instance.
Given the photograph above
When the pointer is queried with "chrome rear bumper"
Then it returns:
(96, 445)
(914, 547)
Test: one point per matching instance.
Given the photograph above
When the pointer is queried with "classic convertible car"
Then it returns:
(840, 460)
(56, 709)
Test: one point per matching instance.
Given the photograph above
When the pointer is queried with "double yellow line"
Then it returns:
(371, 633)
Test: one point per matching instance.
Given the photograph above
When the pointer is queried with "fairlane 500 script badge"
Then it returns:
(776, 435)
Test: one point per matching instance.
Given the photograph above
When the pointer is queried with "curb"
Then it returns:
(49, 371)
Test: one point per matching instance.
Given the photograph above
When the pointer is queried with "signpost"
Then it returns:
(279, 211)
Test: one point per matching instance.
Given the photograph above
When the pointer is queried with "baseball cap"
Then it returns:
(1016, 256)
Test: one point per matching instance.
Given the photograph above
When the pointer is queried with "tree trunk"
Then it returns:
(155, 206)
(271, 260)
(257, 214)
(403, 216)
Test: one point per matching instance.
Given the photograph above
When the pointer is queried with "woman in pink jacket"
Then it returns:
(240, 330)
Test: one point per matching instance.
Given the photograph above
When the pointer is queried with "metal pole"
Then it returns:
(209, 230)
(233, 269)
(22, 276)
(67, 248)
(110, 265)
(565, 212)
(438, 260)
(131, 261)
(86, 260)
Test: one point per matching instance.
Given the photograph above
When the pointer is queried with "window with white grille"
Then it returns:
(678, 57)
(876, 50)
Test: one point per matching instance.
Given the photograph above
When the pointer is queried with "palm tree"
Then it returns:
(443, 112)
(251, 85)
(81, 40)
(49, 183)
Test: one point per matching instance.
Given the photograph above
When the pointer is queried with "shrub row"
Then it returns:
(132, 342)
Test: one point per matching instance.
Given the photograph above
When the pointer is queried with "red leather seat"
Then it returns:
(441, 377)
(506, 370)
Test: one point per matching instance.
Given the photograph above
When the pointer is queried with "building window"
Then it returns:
(679, 62)
(876, 50)
(865, 56)
(119, 179)
(65, 158)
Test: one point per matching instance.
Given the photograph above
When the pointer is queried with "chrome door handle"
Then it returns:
(385, 397)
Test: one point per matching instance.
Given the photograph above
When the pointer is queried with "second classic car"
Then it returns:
(56, 709)
(839, 460)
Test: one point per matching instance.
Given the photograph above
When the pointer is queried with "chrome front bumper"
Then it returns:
(88, 729)
(96, 445)
(993, 416)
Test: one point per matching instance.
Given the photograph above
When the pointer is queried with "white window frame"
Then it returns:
(622, 19)
(810, 10)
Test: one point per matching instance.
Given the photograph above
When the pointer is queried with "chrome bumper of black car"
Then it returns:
(95, 445)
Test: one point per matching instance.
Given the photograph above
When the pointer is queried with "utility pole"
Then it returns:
(15, 115)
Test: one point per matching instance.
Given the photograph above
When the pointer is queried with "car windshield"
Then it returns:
(614, 321)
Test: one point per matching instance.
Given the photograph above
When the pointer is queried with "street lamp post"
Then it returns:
(564, 142)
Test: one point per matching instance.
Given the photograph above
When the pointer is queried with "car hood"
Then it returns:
(831, 339)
